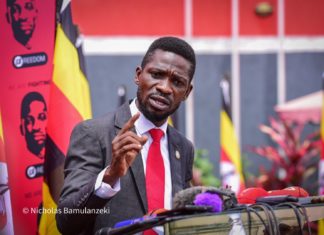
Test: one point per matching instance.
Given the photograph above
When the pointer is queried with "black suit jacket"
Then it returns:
(89, 153)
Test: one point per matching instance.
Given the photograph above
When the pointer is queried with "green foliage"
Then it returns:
(203, 170)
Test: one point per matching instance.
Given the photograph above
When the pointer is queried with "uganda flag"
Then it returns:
(230, 159)
(69, 103)
(321, 162)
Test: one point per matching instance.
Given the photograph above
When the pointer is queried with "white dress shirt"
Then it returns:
(142, 127)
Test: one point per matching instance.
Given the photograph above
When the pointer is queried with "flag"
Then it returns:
(6, 224)
(230, 159)
(69, 103)
(173, 120)
(321, 163)
(170, 122)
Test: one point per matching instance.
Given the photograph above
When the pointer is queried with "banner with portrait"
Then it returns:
(27, 35)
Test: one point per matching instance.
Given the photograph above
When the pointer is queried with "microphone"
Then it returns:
(103, 231)
(132, 221)
(253, 195)
(186, 196)
(130, 226)
(249, 195)
(293, 191)
(217, 199)
(290, 194)
(209, 199)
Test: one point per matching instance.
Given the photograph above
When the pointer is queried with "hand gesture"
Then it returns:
(125, 147)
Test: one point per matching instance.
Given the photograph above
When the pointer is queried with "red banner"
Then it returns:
(6, 225)
(26, 59)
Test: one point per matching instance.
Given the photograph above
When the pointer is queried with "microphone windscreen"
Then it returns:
(249, 195)
(209, 199)
(290, 191)
(187, 196)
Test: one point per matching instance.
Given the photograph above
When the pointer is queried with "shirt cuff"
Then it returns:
(104, 190)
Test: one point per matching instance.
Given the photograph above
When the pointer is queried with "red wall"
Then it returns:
(129, 17)
(253, 24)
(304, 17)
(209, 17)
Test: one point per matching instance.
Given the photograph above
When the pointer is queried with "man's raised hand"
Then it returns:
(125, 147)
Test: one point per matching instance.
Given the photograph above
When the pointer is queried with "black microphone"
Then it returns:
(131, 228)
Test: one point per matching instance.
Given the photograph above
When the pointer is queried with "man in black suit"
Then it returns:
(106, 164)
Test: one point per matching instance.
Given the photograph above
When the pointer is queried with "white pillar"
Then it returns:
(281, 65)
(235, 59)
(189, 108)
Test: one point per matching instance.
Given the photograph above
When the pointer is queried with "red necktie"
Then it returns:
(155, 174)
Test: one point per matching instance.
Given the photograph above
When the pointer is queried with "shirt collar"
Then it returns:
(142, 124)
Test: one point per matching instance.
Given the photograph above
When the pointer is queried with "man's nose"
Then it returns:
(37, 125)
(24, 14)
(164, 86)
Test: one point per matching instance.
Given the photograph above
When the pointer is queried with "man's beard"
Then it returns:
(153, 117)
(21, 36)
(33, 145)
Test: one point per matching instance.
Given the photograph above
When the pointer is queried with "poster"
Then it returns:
(27, 41)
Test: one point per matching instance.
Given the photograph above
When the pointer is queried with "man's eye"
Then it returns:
(156, 74)
(42, 116)
(29, 6)
(178, 82)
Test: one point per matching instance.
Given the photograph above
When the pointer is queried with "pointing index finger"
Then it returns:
(129, 124)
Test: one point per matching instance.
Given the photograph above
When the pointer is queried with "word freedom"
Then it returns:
(65, 211)
(28, 60)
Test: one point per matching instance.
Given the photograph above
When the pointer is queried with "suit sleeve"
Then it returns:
(85, 160)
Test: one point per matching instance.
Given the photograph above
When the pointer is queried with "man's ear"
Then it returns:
(21, 127)
(36, 12)
(137, 74)
(188, 92)
(8, 16)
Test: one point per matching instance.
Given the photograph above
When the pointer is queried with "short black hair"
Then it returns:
(10, 2)
(175, 45)
(28, 99)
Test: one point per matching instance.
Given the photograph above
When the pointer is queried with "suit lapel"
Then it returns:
(136, 169)
(175, 160)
